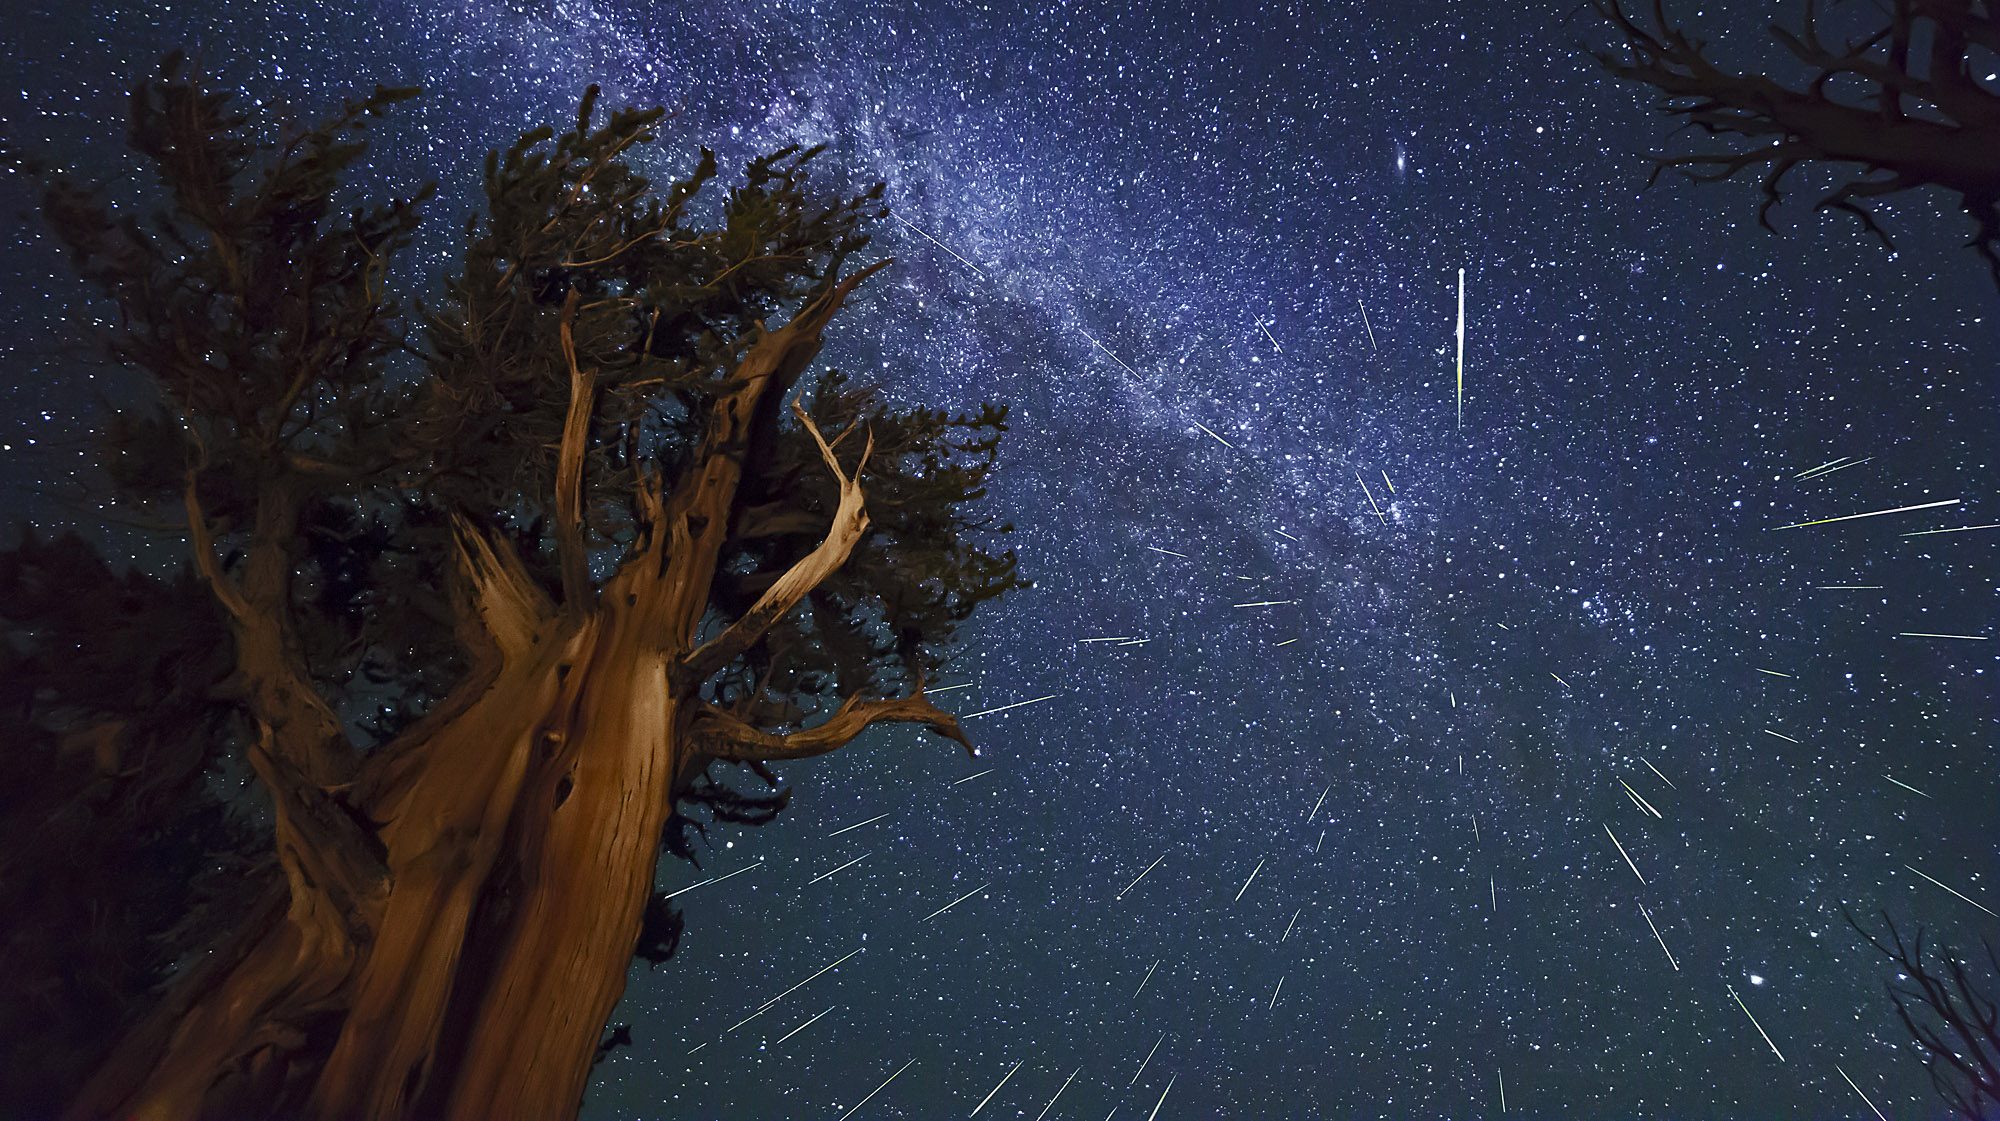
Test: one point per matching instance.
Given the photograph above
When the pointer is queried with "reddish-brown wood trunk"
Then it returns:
(560, 776)
(519, 829)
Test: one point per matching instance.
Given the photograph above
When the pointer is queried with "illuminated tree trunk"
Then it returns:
(454, 946)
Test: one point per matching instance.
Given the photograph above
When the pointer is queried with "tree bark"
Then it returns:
(458, 914)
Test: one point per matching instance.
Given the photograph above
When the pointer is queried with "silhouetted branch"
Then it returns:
(1923, 122)
(1955, 1024)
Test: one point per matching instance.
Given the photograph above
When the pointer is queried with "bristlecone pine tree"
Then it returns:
(476, 598)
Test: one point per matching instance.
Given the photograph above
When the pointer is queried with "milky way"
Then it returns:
(1368, 817)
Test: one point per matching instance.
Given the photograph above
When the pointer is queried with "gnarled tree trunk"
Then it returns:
(457, 918)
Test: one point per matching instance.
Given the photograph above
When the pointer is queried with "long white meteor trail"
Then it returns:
(1461, 348)
(955, 902)
(1169, 552)
(1954, 529)
(1148, 1059)
(1623, 853)
(1059, 1093)
(1755, 1024)
(849, 864)
(1906, 786)
(1004, 708)
(1871, 514)
(1780, 735)
(1265, 603)
(801, 984)
(1927, 634)
(878, 1089)
(1958, 893)
(1246, 883)
(1108, 354)
(1141, 876)
(941, 245)
(1371, 497)
(1218, 439)
(1662, 941)
(1146, 978)
(1656, 770)
(705, 883)
(857, 825)
(1365, 326)
(1318, 804)
(1163, 1099)
(1864, 1097)
(1267, 334)
(802, 1027)
(969, 778)
(994, 1090)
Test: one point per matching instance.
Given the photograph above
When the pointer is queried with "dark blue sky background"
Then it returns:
(1577, 586)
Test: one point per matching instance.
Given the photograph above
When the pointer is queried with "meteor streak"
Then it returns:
(1218, 439)
(1148, 1059)
(1141, 876)
(878, 1089)
(1958, 893)
(1662, 941)
(802, 1027)
(1954, 529)
(1924, 634)
(1461, 348)
(1059, 1093)
(1623, 853)
(1755, 1024)
(857, 825)
(941, 245)
(801, 984)
(705, 883)
(1365, 326)
(1004, 708)
(849, 864)
(1864, 1097)
(1163, 1099)
(1871, 514)
(955, 902)
(1906, 786)
(1656, 770)
(1371, 497)
(1246, 883)
(1639, 801)
(994, 1090)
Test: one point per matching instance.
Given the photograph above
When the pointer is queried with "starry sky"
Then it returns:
(1315, 803)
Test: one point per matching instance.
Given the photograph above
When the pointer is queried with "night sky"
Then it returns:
(1375, 811)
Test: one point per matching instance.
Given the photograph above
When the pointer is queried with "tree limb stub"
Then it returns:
(850, 521)
(724, 736)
